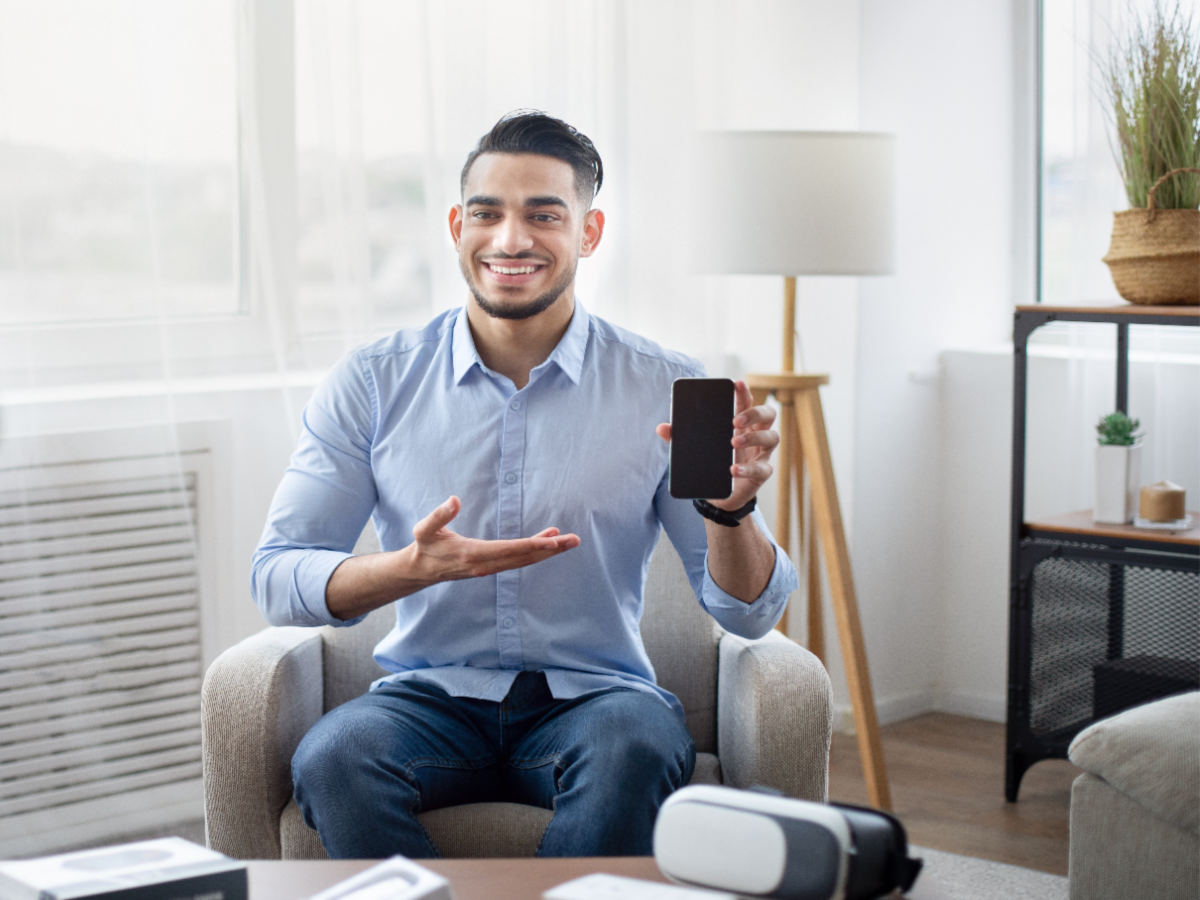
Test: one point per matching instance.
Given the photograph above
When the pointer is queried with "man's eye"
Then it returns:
(483, 214)
(544, 217)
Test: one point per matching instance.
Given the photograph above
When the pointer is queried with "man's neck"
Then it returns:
(514, 347)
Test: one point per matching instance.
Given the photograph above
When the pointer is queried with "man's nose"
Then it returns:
(512, 236)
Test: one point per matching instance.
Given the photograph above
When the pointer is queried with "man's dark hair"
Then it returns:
(532, 131)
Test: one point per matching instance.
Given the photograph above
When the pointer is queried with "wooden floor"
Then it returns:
(947, 780)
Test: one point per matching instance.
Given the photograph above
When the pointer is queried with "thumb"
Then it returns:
(437, 520)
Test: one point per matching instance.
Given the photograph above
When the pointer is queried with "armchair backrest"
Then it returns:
(680, 639)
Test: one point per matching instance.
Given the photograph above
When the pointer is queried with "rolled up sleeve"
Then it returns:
(751, 620)
(685, 528)
(325, 498)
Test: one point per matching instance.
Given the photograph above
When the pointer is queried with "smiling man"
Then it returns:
(512, 454)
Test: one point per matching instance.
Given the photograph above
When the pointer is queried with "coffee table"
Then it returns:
(472, 879)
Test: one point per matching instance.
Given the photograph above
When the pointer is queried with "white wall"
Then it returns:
(940, 74)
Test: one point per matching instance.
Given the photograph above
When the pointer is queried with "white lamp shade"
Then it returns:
(795, 203)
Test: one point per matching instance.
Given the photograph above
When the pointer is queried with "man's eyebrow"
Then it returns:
(545, 201)
(530, 203)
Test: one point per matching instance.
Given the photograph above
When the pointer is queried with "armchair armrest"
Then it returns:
(259, 699)
(774, 716)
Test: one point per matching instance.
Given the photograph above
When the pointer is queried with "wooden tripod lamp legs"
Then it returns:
(828, 515)
(803, 439)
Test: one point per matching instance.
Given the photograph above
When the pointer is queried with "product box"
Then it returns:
(164, 869)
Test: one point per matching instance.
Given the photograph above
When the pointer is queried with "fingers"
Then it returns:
(758, 471)
(755, 417)
(765, 440)
(490, 557)
(437, 520)
(663, 431)
(744, 399)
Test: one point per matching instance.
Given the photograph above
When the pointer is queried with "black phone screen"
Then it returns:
(701, 434)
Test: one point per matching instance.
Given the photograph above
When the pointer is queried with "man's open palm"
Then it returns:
(440, 554)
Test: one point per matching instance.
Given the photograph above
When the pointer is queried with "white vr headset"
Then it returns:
(758, 843)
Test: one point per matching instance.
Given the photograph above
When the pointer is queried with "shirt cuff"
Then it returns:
(752, 620)
(307, 594)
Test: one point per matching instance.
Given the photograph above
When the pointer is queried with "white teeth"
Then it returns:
(522, 270)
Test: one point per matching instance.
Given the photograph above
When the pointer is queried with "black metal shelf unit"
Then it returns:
(1099, 619)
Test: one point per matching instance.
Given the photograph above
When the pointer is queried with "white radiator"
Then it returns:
(102, 633)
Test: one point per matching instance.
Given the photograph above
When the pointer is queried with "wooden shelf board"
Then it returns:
(1081, 523)
(1127, 309)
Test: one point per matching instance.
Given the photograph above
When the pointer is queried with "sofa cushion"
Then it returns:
(1151, 753)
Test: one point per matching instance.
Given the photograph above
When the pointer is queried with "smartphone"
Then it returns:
(701, 438)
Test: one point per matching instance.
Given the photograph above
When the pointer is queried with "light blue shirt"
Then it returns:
(401, 424)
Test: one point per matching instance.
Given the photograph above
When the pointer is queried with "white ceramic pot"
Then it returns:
(1118, 476)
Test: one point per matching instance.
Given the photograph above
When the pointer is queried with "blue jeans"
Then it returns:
(604, 762)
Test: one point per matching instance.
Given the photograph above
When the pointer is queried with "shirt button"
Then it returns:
(510, 477)
(516, 404)
(508, 622)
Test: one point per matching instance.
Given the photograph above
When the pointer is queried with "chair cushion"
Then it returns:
(296, 839)
(350, 665)
(1151, 753)
(486, 830)
(681, 640)
(708, 769)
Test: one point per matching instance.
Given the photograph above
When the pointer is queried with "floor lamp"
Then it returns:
(806, 203)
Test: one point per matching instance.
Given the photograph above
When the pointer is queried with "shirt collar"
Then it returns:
(463, 351)
(569, 352)
(568, 355)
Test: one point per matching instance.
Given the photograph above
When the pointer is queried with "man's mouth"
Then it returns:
(513, 273)
(510, 269)
(513, 269)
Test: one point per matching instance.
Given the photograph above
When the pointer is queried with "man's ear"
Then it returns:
(456, 223)
(593, 230)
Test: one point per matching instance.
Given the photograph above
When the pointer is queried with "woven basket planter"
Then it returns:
(1155, 253)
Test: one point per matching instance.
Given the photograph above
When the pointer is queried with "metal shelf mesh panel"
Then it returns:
(1106, 637)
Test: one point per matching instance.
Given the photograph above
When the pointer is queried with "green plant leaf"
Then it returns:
(1117, 429)
(1152, 78)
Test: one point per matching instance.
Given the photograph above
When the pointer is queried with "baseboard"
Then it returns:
(975, 706)
(897, 709)
(887, 710)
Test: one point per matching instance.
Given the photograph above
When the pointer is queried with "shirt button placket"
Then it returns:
(512, 463)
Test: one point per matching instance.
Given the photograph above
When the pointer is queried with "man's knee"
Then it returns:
(336, 752)
(637, 735)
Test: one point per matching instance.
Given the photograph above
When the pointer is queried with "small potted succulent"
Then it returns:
(1118, 469)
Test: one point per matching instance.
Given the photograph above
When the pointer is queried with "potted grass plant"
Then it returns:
(1152, 78)
(1118, 469)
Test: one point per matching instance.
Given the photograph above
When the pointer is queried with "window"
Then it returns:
(118, 160)
(1081, 181)
(362, 139)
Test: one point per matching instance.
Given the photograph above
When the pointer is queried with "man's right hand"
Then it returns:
(363, 583)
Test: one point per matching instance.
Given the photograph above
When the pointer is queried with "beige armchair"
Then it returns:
(760, 713)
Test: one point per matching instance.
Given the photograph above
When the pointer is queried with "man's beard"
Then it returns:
(530, 309)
